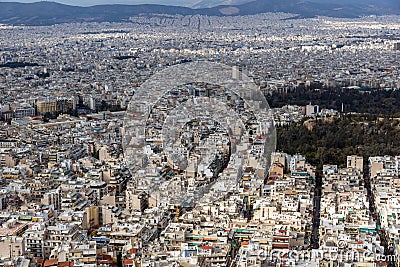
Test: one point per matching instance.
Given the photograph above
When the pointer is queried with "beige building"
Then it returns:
(103, 154)
(276, 170)
(312, 110)
(109, 214)
(91, 217)
(12, 247)
(136, 200)
(46, 106)
(356, 162)
(375, 168)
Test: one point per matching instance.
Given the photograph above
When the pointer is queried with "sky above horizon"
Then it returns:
(183, 2)
(101, 2)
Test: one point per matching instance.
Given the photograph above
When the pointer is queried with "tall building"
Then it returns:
(138, 201)
(355, 162)
(235, 72)
(312, 110)
(46, 106)
(34, 240)
(25, 110)
(3, 202)
(59, 235)
(52, 198)
(66, 104)
(91, 217)
(11, 247)
(277, 157)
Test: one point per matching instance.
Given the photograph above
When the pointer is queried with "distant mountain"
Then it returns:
(381, 3)
(350, 8)
(48, 13)
(214, 3)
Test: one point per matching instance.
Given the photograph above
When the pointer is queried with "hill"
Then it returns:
(49, 13)
(214, 3)
(330, 141)
(346, 9)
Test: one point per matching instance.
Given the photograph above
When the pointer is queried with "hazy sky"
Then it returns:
(99, 2)
(183, 2)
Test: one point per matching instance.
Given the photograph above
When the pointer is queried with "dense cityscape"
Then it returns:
(151, 143)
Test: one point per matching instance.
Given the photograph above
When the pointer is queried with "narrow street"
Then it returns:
(382, 234)
(316, 211)
(388, 250)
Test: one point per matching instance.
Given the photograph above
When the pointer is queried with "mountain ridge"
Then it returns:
(213, 3)
(49, 13)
